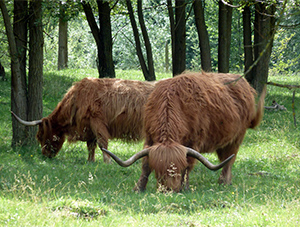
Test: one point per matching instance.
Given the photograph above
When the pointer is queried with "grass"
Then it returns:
(69, 191)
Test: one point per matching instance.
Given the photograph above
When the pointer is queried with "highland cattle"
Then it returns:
(190, 114)
(94, 110)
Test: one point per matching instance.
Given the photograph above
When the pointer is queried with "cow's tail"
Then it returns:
(168, 160)
(259, 109)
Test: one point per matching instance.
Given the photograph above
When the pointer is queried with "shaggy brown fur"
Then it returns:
(201, 111)
(96, 110)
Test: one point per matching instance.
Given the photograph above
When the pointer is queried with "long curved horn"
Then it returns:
(209, 165)
(27, 123)
(131, 160)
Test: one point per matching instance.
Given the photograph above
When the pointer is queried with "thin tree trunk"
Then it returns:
(225, 18)
(228, 33)
(179, 60)
(203, 36)
(172, 28)
(137, 40)
(151, 72)
(102, 36)
(20, 32)
(248, 48)
(106, 64)
(91, 21)
(167, 63)
(18, 89)
(62, 39)
(263, 41)
(2, 72)
(35, 76)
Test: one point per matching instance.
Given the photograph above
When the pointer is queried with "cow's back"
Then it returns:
(124, 108)
(199, 110)
(117, 103)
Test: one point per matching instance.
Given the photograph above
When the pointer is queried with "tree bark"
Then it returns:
(248, 48)
(18, 88)
(102, 37)
(167, 64)
(2, 72)
(35, 75)
(62, 39)
(20, 21)
(225, 19)
(172, 28)
(179, 60)
(91, 21)
(137, 39)
(202, 36)
(106, 64)
(151, 71)
(263, 41)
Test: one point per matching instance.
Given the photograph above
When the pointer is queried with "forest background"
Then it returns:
(151, 36)
(82, 50)
(69, 191)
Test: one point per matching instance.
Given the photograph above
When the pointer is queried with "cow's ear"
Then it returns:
(46, 125)
(40, 133)
(46, 122)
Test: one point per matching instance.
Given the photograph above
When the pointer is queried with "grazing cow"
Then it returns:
(94, 110)
(190, 114)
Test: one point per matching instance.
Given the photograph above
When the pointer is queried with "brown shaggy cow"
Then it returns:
(195, 111)
(95, 110)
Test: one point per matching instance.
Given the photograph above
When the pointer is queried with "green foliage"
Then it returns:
(157, 24)
(82, 48)
(69, 191)
(285, 44)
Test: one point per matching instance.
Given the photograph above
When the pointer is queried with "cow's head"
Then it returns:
(169, 176)
(48, 135)
(50, 138)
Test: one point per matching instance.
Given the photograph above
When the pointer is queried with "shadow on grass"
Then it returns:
(257, 180)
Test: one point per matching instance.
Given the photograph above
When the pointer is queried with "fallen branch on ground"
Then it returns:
(275, 106)
(288, 86)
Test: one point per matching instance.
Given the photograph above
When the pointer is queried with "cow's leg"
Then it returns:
(224, 153)
(106, 157)
(91, 148)
(142, 182)
(185, 184)
(102, 135)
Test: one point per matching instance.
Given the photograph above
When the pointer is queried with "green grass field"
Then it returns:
(69, 191)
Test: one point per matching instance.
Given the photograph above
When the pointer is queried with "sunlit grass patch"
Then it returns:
(70, 191)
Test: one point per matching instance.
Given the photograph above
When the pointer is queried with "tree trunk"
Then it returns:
(203, 36)
(137, 40)
(248, 48)
(20, 32)
(91, 21)
(179, 60)
(106, 64)
(151, 72)
(2, 72)
(225, 19)
(263, 41)
(35, 76)
(229, 23)
(62, 39)
(102, 36)
(167, 64)
(172, 28)
(18, 88)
